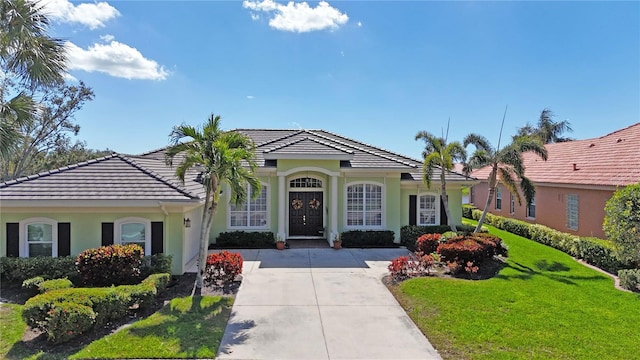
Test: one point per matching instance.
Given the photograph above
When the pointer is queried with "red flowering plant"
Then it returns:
(428, 243)
(222, 268)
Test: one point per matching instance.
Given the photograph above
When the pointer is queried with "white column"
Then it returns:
(282, 205)
(334, 208)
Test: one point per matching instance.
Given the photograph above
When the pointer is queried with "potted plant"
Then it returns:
(337, 242)
(280, 242)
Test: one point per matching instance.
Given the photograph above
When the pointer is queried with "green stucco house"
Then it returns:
(316, 184)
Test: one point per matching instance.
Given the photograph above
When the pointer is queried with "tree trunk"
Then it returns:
(445, 200)
(492, 189)
(209, 211)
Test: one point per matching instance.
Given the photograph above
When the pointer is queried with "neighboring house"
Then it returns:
(573, 185)
(316, 184)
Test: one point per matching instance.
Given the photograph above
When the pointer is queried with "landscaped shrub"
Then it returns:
(410, 233)
(55, 284)
(404, 267)
(245, 240)
(630, 279)
(427, 243)
(32, 285)
(67, 321)
(222, 268)
(597, 252)
(470, 251)
(111, 265)
(17, 270)
(49, 311)
(367, 238)
(155, 264)
(467, 211)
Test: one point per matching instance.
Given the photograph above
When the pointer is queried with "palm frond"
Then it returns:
(479, 141)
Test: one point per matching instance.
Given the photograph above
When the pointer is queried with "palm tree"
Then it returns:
(438, 154)
(33, 58)
(547, 130)
(222, 158)
(507, 166)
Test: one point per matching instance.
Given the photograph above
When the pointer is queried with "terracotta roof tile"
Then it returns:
(609, 160)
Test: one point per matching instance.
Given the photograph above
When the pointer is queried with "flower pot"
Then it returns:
(337, 245)
(280, 245)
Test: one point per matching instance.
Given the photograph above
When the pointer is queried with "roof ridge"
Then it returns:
(293, 133)
(293, 142)
(616, 131)
(150, 151)
(58, 170)
(155, 175)
(366, 150)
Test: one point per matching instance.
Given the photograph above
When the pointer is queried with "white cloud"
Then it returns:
(299, 17)
(116, 59)
(255, 16)
(93, 15)
(359, 23)
(107, 38)
(250, 97)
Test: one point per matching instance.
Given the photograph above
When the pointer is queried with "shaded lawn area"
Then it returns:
(541, 305)
(187, 327)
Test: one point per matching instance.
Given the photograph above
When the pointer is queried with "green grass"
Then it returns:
(189, 327)
(542, 305)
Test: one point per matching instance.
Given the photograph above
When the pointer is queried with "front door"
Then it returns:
(305, 213)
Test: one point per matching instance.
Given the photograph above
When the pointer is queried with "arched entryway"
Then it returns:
(306, 207)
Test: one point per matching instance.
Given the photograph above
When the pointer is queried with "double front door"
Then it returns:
(305, 213)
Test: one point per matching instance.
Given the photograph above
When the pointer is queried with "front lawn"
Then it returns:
(187, 327)
(542, 305)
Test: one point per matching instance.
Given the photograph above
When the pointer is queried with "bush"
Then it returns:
(17, 270)
(410, 233)
(368, 238)
(155, 264)
(245, 240)
(404, 267)
(111, 265)
(63, 314)
(598, 252)
(55, 284)
(222, 268)
(467, 250)
(32, 285)
(68, 320)
(630, 279)
(428, 243)
(467, 211)
(622, 223)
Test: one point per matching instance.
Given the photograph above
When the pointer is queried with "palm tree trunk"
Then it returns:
(207, 218)
(445, 201)
(492, 189)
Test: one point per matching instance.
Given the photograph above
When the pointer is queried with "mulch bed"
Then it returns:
(180, 286)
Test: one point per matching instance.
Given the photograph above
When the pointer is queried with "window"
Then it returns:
(531, 209)
(498, 198)
(512, 204)
(133, 231)
(305, 183)
(364, 205)
(572, 211)
(472, 197)
(252, 213)
(428, 210)
(39, 237)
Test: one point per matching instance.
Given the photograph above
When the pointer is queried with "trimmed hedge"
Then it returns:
(155, 264)
(16, 270)
(597, 252)
(66, 313)
(245, 240)
(630, 279)
(368, 238)
(409, 233)
(467, 210)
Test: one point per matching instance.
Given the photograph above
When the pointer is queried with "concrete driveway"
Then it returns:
(320, 304)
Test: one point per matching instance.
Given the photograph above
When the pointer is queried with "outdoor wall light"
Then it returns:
(187, 222)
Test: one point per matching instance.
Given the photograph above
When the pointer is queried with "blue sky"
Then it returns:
(376, 71)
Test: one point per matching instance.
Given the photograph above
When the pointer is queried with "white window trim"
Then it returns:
(533, 202)
(266, 226)
(438, 200)
(117, 231)
(22, 234)
(577, 212)
(383, 190)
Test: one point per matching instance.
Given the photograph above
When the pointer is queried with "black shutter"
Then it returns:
(443, 212)
(157, 237)
(13, 239)
(413, 207)
(107, 234)
(64, 239)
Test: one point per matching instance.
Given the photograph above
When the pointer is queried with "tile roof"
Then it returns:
(113, 177)
(147, 177)
(609, 160)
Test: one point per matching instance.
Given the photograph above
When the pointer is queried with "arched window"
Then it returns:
(252, 213)
(428, 210)
(364, 206)
(38, 237)
(133, 230)
(306, 182)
